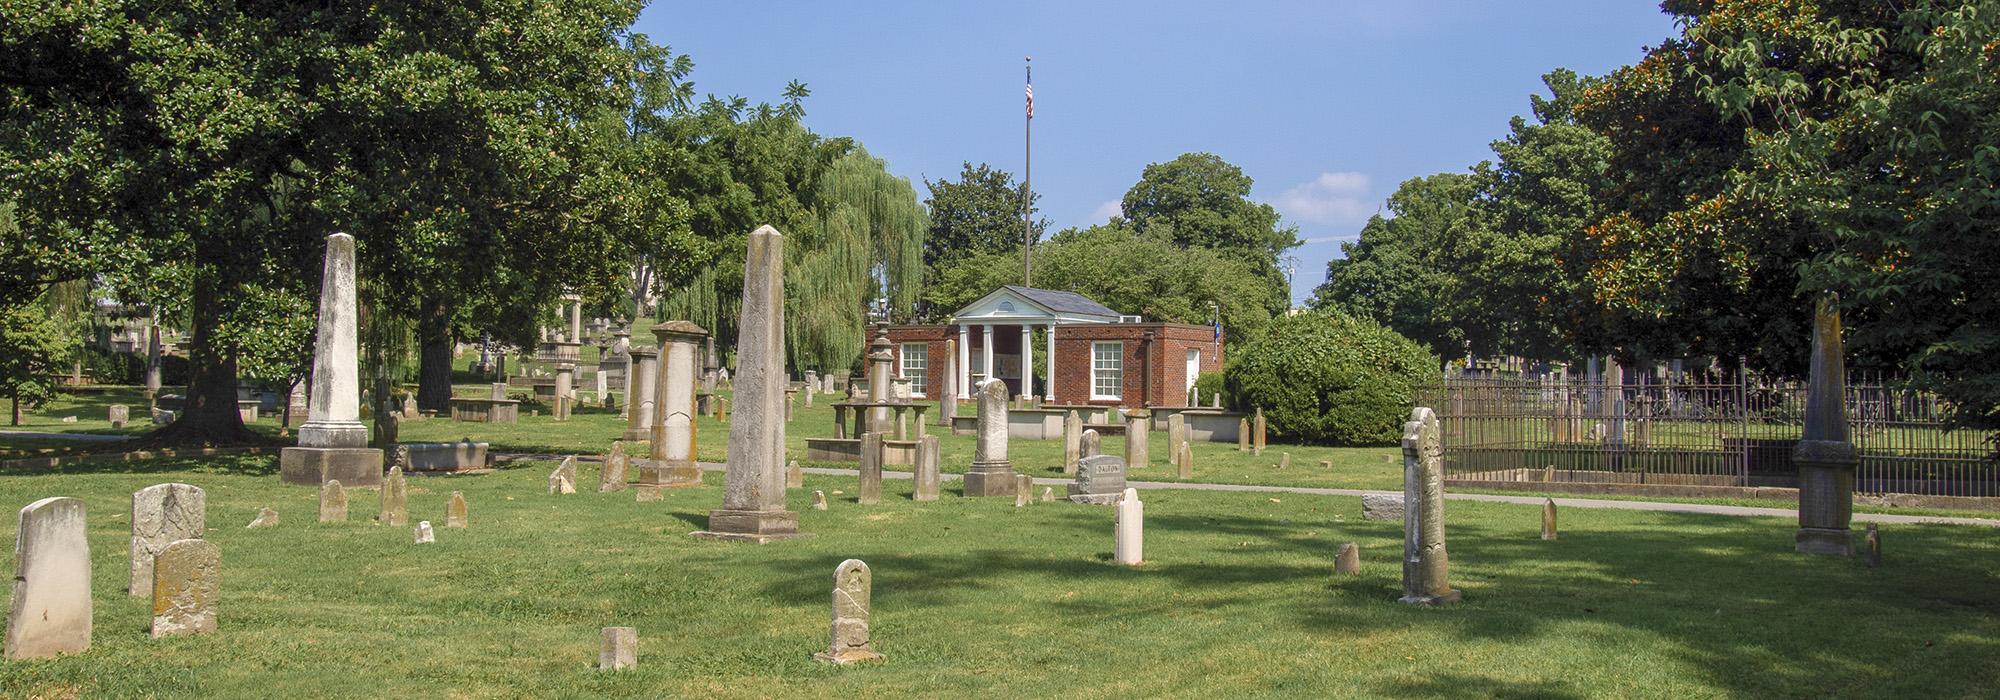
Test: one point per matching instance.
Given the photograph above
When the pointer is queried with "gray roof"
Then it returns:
(1063, 302)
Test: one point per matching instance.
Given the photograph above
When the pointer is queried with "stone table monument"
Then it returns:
(1825, 456)
(333, 442)
(753, 492)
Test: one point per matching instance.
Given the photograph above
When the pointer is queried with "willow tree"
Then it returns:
(869, 242)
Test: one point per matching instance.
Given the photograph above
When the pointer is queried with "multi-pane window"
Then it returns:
(916, 362)
(1107, 371)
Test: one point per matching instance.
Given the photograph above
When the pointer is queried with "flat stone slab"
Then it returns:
(1380, 506)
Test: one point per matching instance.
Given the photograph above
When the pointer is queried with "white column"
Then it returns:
(1027, 360)
(986, 352)
(1051, 362)
(964, 360)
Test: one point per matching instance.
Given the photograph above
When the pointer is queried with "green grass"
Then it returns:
(974, 597)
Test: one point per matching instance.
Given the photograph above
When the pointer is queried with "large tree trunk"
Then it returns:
(434, 357)
(210, 416)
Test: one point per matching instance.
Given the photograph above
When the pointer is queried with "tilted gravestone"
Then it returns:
(161, 515)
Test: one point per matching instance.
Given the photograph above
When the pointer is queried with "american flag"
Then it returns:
(1031, 100)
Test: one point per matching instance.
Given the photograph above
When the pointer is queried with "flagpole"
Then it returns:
(1027, 181)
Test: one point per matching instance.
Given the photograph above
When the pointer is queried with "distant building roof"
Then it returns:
(1063, 302)
(1018, 304)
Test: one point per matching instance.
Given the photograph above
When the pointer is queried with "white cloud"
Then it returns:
(1329, 200)
(1105, 211)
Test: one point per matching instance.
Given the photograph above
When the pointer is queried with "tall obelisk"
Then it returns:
(333, 442)
(753, 490)
(1826, 458)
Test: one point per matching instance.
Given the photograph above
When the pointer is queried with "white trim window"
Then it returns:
(1107, 371)
(916, 367)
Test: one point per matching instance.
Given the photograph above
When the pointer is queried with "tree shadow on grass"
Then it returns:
(233, 465)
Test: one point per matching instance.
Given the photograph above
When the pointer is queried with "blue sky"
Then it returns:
(1327, 105)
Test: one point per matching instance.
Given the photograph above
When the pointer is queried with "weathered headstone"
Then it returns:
(187, 585)
(1072, 441)
(1326, 464)
(992, 474)
(795, 476)
(852, 590)
(563, 479)
(51, 610)
(1186, 462)
(1258, 433)
(870, 490)
(333, 442)
(332, 502)
(671, 462)
(1100, 480)
(1242, 435)
(1024, 490)
(425, 535)
(1348, 561)
(1090, 445)
(1048, 494)
(162, 514)
(819, 500)
(612, 476)
(1825, 455)
(1426, 568)
(642, 397)
(120, 414)
(1382, 506)
(265, 518)
(454, 511)
(1129, 547)
(1284, 460)
(1548, 518)
(1137, 451)
(753, 493)
(617, 649)
(927, 467)
(948, 405)
(1176, 437)
(1871, 540)
(410, 406)
(395, 509)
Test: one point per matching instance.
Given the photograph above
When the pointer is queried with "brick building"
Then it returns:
(1095, 355)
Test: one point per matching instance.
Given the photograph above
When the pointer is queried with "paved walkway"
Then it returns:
(1698, 508)
(85, 437)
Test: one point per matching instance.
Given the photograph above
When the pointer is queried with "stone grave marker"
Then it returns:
(852, 590)
(1426, 567)
(395, 509)
(162, 514)
(1100, 480)
(617, 649)
(265, 518)
(332, 502)
(1129, 546)
(927, 469)
(425, 535)
(187, 586)
(51, 610)
(454, 511)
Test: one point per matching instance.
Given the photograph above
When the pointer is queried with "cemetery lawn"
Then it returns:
(975, 598)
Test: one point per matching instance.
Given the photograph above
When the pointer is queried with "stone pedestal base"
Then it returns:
(312, 466)
(1097, 499)
(995, 479)
(759, 526)
(636, 435)
(1451, 597)
(847, 657)
(1813, 540)
(668, 474)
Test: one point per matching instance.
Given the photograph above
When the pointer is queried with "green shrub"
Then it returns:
(1325, 377)
(1209, 385)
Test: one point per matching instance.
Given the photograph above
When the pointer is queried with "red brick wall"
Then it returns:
(1155, 372)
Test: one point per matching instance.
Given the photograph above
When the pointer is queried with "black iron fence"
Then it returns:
(1510, 429)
